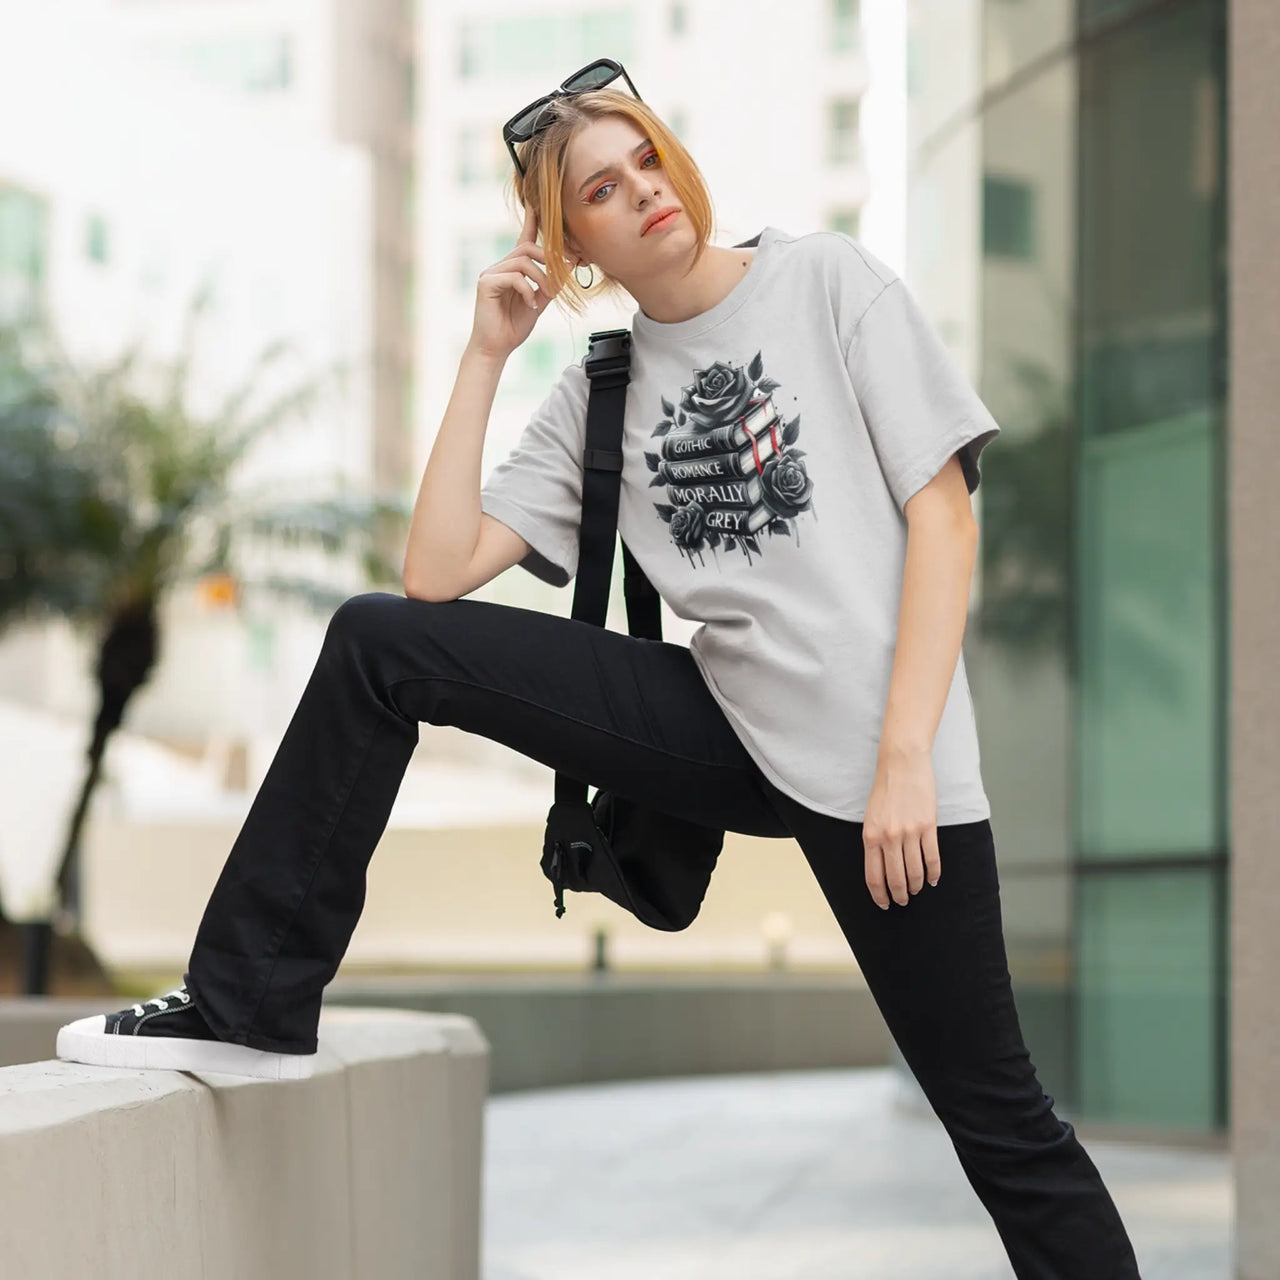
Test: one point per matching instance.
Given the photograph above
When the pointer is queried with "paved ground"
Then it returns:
(789, 1176)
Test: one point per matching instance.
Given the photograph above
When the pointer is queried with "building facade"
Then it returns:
(343, 71)
(119, 205)
(1068, 217)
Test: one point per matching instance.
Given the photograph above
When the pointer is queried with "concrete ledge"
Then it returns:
(372, 1167)
(551, 1029)
(576, 1028)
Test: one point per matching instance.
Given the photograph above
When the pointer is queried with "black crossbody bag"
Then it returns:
(653, 864)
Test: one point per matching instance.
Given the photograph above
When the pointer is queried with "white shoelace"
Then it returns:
(161, 1002)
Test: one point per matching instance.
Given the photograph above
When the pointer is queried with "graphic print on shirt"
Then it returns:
(727, 462)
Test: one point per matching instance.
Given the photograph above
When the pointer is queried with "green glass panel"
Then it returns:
(96, 239)
(845, 19)
(1148, 739)
(1018, 645)
(1008, 218)
(1150, 211)
(847, 220)
(1097, 13)
(1148, 970)
(24, 236)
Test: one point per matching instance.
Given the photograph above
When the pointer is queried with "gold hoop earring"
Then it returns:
(589, 282)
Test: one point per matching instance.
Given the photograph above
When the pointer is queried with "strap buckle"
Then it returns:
(609, 357)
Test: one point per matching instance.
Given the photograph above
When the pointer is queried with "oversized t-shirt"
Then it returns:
(770, 445)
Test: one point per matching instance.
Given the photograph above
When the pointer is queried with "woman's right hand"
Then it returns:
(507, 305)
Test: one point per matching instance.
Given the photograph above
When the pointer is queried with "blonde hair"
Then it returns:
(544, 158)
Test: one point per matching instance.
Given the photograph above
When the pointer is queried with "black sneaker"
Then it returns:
(172, 1035)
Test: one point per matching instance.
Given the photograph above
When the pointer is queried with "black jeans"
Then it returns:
(634, 716)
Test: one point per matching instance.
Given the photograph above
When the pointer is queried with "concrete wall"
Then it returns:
(563, 1029)
(371, 1168)
(1254, 481)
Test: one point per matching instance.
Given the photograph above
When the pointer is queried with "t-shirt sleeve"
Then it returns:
(917, 403)
(536, 490)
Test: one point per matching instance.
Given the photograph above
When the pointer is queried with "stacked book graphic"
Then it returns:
(720, 469)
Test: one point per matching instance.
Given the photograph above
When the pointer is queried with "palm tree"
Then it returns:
(114, 490)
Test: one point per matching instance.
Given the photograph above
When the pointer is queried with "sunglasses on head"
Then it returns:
(530, 120)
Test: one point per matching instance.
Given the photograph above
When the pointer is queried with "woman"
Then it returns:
(824, 697)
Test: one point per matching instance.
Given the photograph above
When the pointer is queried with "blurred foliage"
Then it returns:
(1028, 491)
(114, 490)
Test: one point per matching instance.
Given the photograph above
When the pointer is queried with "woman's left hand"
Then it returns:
(900, 827)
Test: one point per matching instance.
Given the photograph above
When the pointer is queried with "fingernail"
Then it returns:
(934, 881)
(884, 906)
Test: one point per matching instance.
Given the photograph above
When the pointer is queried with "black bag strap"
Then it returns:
(644, 604)
(608, 366)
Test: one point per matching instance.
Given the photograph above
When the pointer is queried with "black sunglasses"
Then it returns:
(528, 120)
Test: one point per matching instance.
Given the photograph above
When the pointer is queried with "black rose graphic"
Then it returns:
(785, 485)
(728, 463)
(688, 525)
(719, 394)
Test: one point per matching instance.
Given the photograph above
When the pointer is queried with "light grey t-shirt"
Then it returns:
(769, 448)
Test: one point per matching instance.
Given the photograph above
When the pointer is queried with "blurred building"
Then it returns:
(1068, 235)
(128, 190)
(1094, 200)
(340, 70)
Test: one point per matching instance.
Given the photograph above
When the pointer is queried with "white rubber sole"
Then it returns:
(85, 1040)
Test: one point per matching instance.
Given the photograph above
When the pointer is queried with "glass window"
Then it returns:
(1149, 548)
(1017, 651)
(24, 236)
(1096, 13)
(844, 18)
(1150, 158)
(260, 63)
(1148, 640)
(1008, 218)
(96, 239)
(1149, 967)
(549, 46)
(1151, 409)
(842, 131)
(848, 220)
(469, 59)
